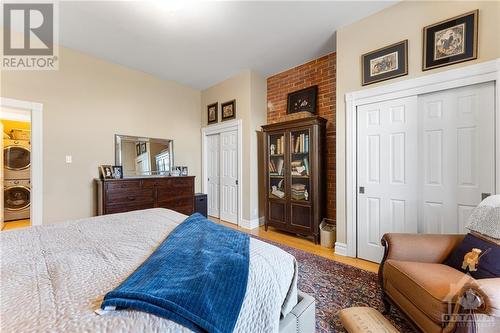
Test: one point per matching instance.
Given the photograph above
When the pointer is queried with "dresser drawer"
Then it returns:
(130, 196)
(183, 205)
(113, 209)
(125, 185)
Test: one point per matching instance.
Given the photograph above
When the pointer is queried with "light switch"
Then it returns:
(69, 159)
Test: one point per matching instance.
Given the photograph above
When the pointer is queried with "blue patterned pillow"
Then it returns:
(476, 256)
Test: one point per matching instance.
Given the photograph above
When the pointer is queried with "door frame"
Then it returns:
(488, 71)
(232, 125)
(36, 110)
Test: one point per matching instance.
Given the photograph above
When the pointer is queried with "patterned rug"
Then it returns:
(336, 286)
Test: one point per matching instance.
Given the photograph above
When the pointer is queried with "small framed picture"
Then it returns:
(143, 147)
(106, 171)
(117, 172)
(176, 171)
(212, 113)
(184, 171)
(451, 41)
(385, 63)
(302, 100)
(138, 149)
(228, 110)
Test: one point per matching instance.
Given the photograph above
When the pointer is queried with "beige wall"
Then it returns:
(401, 21)
(85, 103)
(249, 90)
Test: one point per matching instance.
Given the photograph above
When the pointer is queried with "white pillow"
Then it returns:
(485, 218)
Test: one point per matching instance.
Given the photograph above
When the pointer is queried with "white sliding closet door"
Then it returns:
(213, 181)
(229, 176)
(457, 164)
(387, 172)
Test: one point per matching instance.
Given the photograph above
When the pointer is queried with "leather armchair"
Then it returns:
(434, 296)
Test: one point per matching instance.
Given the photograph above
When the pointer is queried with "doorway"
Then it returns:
(222, 170)
(423, 163)
(21, 173)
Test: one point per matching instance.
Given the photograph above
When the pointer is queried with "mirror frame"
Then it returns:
(118, 153)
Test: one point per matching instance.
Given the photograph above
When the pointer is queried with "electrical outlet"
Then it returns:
(69, 159)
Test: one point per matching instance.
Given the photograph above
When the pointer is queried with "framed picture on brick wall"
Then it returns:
(302, 100)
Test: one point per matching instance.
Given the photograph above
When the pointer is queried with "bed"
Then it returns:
(54, 277)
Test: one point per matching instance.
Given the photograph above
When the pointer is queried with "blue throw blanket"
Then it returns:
(197, 277)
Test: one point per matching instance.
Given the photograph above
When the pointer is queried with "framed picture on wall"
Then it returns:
(451, 41)
(385, 63)
(228, 110)
(212, 113)
(302, 100)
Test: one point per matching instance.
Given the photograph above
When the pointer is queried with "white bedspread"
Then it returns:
(54, 277)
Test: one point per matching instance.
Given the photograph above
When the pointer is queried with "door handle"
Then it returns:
(236, 181)
(361, 190)
(484, 196)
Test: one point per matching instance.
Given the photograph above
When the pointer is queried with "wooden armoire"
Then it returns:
(294, 175)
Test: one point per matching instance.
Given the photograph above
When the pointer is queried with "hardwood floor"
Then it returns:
(303, 244)
(16, 224)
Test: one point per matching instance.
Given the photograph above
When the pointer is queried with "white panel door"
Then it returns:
(229, 176)
(457, 164)
(213, 181)
(386, 172)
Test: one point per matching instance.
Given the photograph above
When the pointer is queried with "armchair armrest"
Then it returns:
(419, 247)
(488, 290)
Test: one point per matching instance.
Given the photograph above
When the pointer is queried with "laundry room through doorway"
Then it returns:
(16, 168)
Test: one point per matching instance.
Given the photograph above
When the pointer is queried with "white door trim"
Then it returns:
(232, 125)
(454, 78)
(36, 154)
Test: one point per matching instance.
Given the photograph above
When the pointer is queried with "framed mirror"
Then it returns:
(141, 156)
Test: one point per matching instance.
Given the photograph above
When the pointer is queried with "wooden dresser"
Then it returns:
(124, 195)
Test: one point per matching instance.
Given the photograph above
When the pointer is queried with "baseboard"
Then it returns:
(341, 249)
(250, 224)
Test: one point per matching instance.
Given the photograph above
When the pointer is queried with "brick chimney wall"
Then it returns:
(321, 72)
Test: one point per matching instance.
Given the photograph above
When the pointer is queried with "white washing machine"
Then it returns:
(17, 159)
(17, 199)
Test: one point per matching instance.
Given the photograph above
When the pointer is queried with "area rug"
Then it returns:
(336, 286)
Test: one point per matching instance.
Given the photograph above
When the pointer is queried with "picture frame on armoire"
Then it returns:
(450, 41)
(386, 63)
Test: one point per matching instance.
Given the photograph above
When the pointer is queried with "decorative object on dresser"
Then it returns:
(302, 100)
(123, 195)
(117, 172)
(212, 113)
(385, 63)
(451, 41)
(106, 171)
(294, 175)
(228, 110)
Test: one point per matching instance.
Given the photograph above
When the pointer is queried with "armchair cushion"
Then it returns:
(476, 256)
(432, 288)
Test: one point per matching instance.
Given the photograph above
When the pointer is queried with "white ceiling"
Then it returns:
(202, 43)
